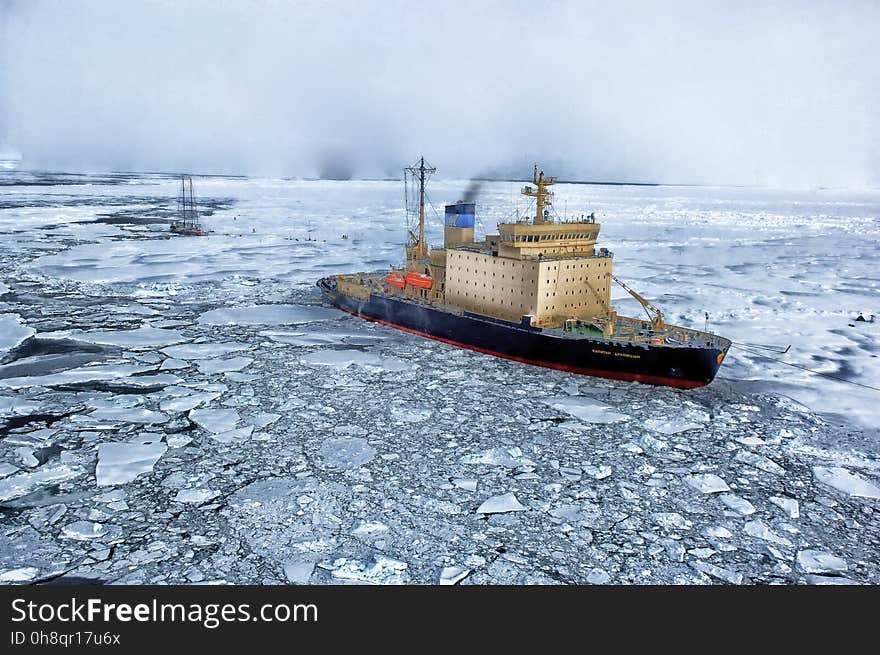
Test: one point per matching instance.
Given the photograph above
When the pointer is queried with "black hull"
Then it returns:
(683, 367)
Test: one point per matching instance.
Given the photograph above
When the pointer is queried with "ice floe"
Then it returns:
(759, 462)
(269, 315)
(122, 462)
(7, 469)
(26, 456)
(761, 530)
(834, 580)
(451, 575)
(847, 482)
(195, 496)
(501, 504)
(788, 505)
(598, 576)
(671, 425)
(19, 484)
(299, 572)
(215, 420)
(717, 572)
(585, 409)
(342, 359)
(172, 364)
(409, 412)
(347, 453)
(145, 336)
(13, 332)
(739, 505)
(599, 472)
(708, 483)
(381, 570)
(21, 574)
(238, 434)
(672, 521)
(818, 561)
(128, 415)
(365, 528)
(325, 337)
(204, 350)
(209, 366)
(263, 419)
(187, 402)
(84, 530)
(95, 373)
(511, 457)
(468, 484)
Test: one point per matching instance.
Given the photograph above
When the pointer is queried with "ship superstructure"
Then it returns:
(538, 291)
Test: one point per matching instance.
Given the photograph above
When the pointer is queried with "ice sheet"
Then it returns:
(119, 462)
(847, 482)
(142, 337)
(215, 420)
(269, 315)
(442, 429)
(89, 374)
(203, 350)
(210, 366)
(708, 483)
(13, 331)
(342, 359)
(23, 483)
(501, 504)
(586, 409)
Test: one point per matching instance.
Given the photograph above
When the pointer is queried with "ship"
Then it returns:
(538, 292)
(187, 222)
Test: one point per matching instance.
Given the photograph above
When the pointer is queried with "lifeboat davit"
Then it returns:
(396, 280)
(418, 280)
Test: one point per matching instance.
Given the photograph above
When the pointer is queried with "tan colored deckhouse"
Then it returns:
(547, 270)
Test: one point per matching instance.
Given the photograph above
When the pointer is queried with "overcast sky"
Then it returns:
(731, 93)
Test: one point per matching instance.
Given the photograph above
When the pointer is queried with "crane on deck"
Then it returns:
(654, 314)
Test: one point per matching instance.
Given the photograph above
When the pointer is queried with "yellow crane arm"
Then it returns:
(653, 313)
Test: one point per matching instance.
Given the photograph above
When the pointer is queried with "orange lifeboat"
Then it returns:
(396, 280)
(418, 280)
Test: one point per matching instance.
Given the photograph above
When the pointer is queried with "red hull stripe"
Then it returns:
(594, 372)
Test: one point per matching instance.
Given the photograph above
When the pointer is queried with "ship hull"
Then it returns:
(667, 365)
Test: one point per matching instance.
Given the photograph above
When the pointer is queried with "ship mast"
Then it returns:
(183, 201)
(192, 205)
(419, 249)
(543, 197)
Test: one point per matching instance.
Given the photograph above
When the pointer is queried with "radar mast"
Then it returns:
(543, 197)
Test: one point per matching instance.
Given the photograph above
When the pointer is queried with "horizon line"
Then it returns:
(586, 182)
